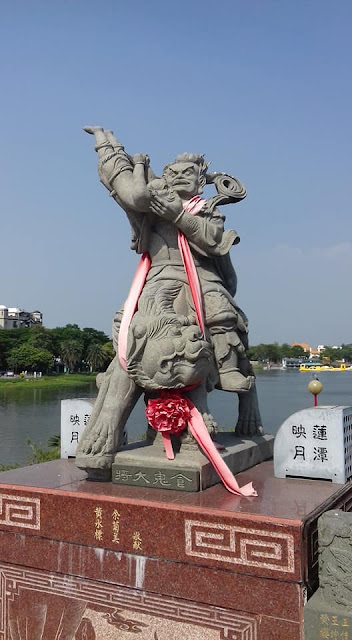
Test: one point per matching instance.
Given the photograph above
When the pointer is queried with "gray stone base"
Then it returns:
(323, 621)
(144, 465)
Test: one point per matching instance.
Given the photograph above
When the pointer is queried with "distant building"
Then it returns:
(15, 318)
(292, 363)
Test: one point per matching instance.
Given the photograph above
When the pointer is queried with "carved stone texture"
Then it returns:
(335, 548)
(168, 344)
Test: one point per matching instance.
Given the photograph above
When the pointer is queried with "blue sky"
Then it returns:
(263, 88)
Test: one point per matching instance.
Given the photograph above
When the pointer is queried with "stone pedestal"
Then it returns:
(82, 560)
(190, 470)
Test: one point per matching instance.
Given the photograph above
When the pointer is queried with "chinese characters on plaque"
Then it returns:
(75, 415)
(107, 528)
(154, 478)
(335, 627)
(315, 443)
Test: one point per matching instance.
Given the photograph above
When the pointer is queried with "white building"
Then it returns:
(15, 318)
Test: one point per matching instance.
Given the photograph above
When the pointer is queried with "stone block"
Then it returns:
(75, 414)
(315, 443)
(144, 465)
(321, 620)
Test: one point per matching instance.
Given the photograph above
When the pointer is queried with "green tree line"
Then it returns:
(41, 349)
(275, 352)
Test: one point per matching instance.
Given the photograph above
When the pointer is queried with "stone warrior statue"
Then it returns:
(181, 327)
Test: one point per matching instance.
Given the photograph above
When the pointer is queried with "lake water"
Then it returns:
(35, 413)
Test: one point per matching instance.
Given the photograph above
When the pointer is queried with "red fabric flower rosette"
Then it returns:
(168, 415)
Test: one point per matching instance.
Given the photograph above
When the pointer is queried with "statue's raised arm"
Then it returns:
(124, 176)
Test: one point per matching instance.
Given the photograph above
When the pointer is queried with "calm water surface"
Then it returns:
(35, 413)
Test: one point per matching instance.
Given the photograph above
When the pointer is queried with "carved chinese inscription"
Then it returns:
(157, 478)
(315, 443)
(115, 526)
(137, 541)
(98, 533)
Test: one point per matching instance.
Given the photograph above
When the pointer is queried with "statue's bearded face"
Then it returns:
(183, 177)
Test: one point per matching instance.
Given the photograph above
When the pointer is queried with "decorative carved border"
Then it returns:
(20, 511)
(230, 624)
(250, 547)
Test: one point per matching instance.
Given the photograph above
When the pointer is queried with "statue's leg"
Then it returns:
(199, 397)
(222, 320)
(249, 422)
(102, 437)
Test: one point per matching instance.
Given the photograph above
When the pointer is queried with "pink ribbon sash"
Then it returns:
(130, 305)
(192, 206)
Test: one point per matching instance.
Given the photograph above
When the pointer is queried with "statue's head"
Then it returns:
(165, 354)
(186, 175)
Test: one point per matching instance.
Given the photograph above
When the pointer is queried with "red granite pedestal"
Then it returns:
(96, 561)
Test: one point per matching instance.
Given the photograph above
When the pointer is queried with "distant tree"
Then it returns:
(65, 334)
(109, 349)
(71, 353)
(266, 352)
(261, 353)
(272, 352)
(27, 357)
(41, 338)
(286, 350)
(90, 335)
(10, 338)
(297, 351)
(252, 353)
(333, 354)
(96, 356)
(346, 352)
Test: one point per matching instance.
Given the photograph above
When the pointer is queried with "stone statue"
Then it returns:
(335, 549)
(171, 341)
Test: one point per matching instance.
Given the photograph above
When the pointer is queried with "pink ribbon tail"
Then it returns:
(130, 305)
(168, 446)
(200, 433)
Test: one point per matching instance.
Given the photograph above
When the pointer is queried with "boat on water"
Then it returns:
(314, 366)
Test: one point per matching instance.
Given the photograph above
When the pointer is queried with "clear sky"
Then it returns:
(262, 87)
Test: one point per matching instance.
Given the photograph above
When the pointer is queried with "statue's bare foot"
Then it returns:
(211, 425)
(103, 439)
(188, 441)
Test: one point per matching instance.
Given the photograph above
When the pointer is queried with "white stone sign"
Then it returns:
(315, 443)
(74, 417)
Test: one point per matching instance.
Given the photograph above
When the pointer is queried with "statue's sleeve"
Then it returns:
(205, 231)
